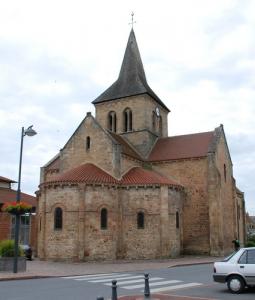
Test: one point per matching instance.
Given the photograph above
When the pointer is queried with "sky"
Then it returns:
(56, 57)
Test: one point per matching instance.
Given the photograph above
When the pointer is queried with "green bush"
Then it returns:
(251, 238)
(250, 244)
(7, 249)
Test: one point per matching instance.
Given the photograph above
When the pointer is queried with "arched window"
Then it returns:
(160, 126)
(177, 221)
(87, 143)
(112, 121)
(58, 218)
(128, 120)
(140, 220)
(103, 218)
(154, 121)
(225, 173)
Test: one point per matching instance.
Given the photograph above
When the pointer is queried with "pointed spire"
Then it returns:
(132, 80)
(132, 71)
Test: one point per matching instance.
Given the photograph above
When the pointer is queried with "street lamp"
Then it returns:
(29, 132)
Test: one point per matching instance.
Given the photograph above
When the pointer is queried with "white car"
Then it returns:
(237, 270)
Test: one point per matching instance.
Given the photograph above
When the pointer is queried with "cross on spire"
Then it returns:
(132, 19)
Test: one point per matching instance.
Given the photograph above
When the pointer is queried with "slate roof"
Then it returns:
(91, 174)
(182, 146)
(132, 80)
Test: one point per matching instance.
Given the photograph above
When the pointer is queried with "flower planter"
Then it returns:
(6, 264)
(17, 212)
(17, 208)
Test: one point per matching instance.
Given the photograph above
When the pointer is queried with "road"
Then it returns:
(193, 281)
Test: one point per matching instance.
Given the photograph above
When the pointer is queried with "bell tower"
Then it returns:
(129, 107)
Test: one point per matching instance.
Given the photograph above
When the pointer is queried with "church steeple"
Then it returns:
(132, 80)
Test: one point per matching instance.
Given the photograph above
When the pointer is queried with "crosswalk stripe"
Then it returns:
(89, 276)
(151, 284)
(134, 281)
(175, 287)
(102, 278)
(115, 277)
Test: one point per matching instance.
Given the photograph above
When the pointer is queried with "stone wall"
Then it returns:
(103, 151)
(82, 237)
(192, 175)
(227, 209)
(142, 107)
(241, 217)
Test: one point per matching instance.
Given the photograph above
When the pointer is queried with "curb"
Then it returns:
(191, 264)
(26, 277)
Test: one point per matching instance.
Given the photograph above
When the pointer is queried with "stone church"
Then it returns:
(122, 188)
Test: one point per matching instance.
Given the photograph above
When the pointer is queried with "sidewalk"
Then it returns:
(41, 269)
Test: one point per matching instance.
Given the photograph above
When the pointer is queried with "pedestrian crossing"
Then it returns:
(135, 281)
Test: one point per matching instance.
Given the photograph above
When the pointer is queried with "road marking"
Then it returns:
(134, 281)
(104, 278)
(138, 286)
(90, 276)
(115, 277)
(175, 287)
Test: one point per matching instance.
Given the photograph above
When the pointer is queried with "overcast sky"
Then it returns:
(58, 56)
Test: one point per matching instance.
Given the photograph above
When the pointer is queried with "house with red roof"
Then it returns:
(28, 223)
(121, 187)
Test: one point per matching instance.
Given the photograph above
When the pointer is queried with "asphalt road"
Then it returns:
(193, 281)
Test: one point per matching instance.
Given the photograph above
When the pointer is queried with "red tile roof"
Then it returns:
(87, 173)
(138, 175)
(9, 195)
(91, 174)
(183, 146)
(4, 179)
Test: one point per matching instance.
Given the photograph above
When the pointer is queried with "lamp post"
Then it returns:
(29, 132)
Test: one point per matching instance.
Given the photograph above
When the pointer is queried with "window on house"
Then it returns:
(140, 220)
(225, 173)
(104, 218)
(112, 121)
(58, 218)
(24, 229)
(128, 120)
(87, 143)
(177, 220)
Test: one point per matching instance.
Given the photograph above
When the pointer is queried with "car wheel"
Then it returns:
(236, 284)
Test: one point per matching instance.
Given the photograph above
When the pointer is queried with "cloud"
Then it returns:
(58, 56)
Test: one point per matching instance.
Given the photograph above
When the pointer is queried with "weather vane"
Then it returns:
(132, 19)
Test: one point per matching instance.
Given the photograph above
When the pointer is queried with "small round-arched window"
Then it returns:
(112, 121)
(128, 120)
(140, 220)
(58, 218)
(104, 218)
(87, 143)
(177, 220)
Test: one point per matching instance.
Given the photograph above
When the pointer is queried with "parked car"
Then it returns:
(27, 251)
(237, 270)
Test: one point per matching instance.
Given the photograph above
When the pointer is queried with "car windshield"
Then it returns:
(228, 257)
